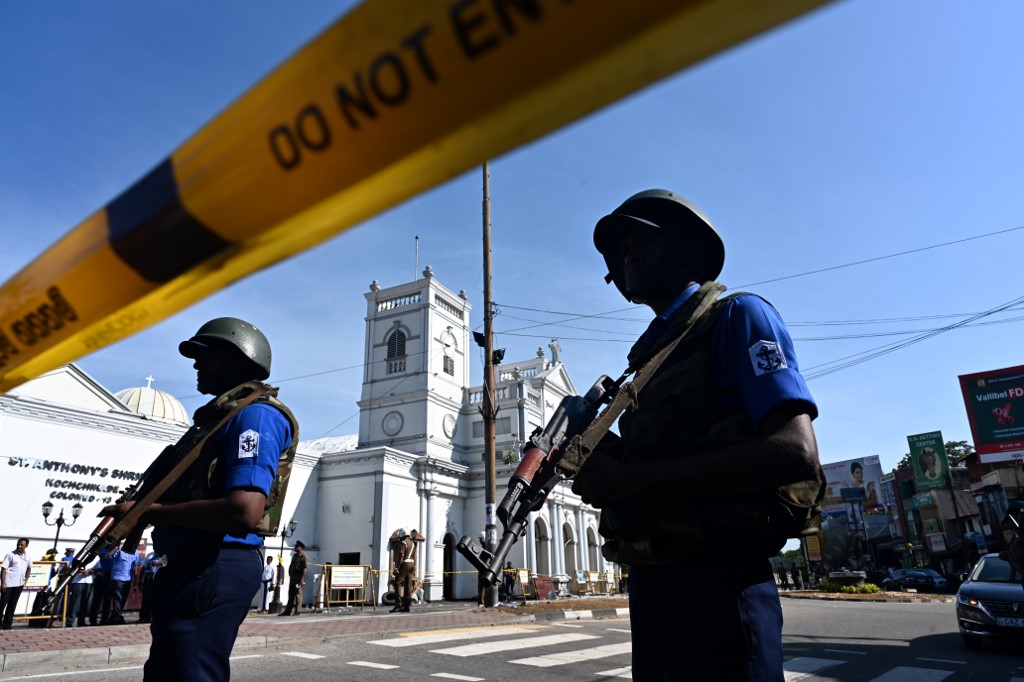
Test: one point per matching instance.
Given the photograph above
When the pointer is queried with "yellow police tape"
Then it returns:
(390, 100)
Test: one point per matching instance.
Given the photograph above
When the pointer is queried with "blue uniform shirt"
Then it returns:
(121, 564)
(755, 363)
(251, 443)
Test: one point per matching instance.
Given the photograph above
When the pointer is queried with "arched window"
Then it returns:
(450, 345)
(396, 352)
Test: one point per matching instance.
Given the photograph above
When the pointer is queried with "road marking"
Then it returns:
(941, 660)
(239, 658)
(566, 657)
(512, 644)
(803, 667)
(567, 625)
(847, 651)
(78, 672)
(622, 673)
(904, 673)
(453, 676)
(299, 654)
(368, 664)
(433, 638)
(628, 632)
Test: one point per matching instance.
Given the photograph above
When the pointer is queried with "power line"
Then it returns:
(878, 258)
(576, 316)
(858, 358)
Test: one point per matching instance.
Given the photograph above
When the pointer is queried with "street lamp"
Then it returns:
(76, 511)
(286, 532)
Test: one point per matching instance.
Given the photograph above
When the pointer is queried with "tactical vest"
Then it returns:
(205, 479)
(680, 413)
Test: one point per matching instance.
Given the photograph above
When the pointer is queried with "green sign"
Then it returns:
(928, 453)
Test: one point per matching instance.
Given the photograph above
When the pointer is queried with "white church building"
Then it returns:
(417, 461)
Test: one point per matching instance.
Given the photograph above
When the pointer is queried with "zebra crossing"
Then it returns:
(534, 638)
(592, 648)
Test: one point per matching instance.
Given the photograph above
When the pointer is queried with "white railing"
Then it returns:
(448, 307)
(398, 302)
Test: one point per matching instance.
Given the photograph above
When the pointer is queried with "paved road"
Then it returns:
(850, 642)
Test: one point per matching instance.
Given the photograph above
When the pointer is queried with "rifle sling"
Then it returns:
(578, 451)
(131, 519)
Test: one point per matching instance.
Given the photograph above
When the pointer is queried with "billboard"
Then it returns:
(994, 400)
(928, 455)
(853, 481)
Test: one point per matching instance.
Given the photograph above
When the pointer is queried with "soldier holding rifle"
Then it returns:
(204, 523)
(724, 421)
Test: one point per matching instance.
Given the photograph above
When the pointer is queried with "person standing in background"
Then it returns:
(78, 601)
(269, 573)
(296, 579)
(14, 573)
(150, 565)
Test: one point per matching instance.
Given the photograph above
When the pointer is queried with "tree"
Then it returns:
(958, 450)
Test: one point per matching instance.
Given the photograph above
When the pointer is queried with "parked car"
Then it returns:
(903, 579)
(939, 581)
(990, 603)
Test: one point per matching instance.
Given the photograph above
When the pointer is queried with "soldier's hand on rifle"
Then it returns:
(605, 478)
(116, 510)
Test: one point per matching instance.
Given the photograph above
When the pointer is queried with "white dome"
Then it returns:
(154, 404)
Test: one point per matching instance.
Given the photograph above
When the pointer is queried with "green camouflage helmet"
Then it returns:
(240, 334)
(659, 209)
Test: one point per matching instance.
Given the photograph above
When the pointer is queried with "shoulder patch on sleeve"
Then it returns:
(766, 356)
(248, 444)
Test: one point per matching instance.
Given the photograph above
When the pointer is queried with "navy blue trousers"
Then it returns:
(200, 600)
(706, 623)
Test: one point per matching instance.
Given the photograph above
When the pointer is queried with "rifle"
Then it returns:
(558, 452)
(543, 466)
(165, 470)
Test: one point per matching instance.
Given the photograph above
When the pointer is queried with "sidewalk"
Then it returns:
(26, 650)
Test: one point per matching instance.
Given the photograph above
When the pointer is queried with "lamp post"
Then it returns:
(59, 521)
(286, 532)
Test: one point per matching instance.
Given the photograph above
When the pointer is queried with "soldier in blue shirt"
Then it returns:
(204, 525)
(724, 421)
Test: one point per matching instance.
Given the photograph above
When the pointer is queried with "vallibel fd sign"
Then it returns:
(995, 409)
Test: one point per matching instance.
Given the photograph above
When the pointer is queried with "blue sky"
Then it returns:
(866, 129)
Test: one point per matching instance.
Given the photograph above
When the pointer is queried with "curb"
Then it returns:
(582, 614)
(871, 600)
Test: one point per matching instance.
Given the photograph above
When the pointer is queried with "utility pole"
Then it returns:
(490, 596)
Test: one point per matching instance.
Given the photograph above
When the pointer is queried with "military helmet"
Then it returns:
(403, 532)
(660, 209)
(238, 333)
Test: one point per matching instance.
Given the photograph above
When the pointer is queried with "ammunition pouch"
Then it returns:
(667, 531)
